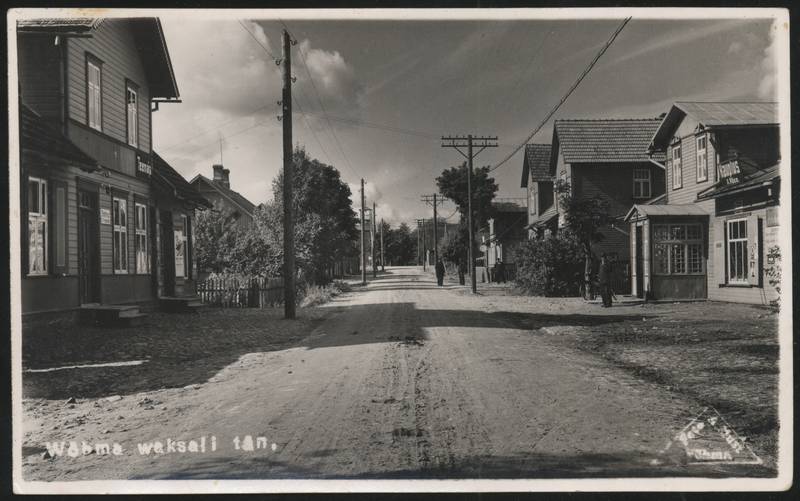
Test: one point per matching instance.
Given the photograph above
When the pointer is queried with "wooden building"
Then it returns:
(709, 235)
(218, 191)
(606, 159)
(538, 182)
(91, 210)
(504, 233)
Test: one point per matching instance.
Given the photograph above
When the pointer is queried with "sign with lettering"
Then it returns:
(105, 216)
(142, 166)
(730, 172)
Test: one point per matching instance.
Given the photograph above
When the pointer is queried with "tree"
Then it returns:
(584, 217)
(400, 245)
(550, 266)
(215, 239)
(325, 223)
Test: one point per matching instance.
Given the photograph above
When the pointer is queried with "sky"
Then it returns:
(373, 97)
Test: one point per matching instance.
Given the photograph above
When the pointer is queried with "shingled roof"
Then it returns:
(536, 165)
(605, 140)
(711, 115)
(169, 179)
(41, 139)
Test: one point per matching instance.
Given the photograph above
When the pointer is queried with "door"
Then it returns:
(167, 262)
(88, 247)
(639, 263)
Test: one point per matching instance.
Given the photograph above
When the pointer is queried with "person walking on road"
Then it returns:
(440, 273)
(604, 280)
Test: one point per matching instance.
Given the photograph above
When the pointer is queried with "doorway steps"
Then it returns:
(180, 304)
(111, 315)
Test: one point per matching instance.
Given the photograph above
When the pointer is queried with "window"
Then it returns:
(94, 101)
(533, 207)
(180, 249)
(677, 168)
(120, 220)
(641, 183)
(142, 250)
(37, 226)
(677, 249)
(132, 116)
(737, 251)
(702, 159)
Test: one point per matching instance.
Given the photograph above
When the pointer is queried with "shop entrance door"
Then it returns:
(88, 247)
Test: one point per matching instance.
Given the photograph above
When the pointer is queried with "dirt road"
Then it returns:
(401, 380)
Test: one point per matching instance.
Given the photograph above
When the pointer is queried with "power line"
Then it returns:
(322, 106)
(566, 96)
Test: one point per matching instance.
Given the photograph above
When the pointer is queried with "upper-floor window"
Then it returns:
(533, 207)
(132, 115)
(641, 183)
(677, 167)
(37, 226)
(94, 89)
(702, 159)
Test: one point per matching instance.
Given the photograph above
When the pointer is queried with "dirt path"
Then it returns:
(402, 380)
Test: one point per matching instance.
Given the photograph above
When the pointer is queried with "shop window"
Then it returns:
(677, 167)
(678, 249)
(641, 183)
(142, 249)
(37, 226)
(737, 251)
(120, 220)
(94, 89)
(702, 159)
(132, 115)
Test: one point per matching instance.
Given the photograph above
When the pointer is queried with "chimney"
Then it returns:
(226, 180)
(218, 172)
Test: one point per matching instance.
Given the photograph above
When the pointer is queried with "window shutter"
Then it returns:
(720, 243)
(753, 244)
(58, 227)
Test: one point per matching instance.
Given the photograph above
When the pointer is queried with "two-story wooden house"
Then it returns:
(538, 183)
(92, 214)
(607, 159)
(708, 236)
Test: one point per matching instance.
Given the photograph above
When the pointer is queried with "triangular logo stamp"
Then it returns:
(709, 439)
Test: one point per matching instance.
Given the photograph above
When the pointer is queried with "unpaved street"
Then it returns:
(400, 380)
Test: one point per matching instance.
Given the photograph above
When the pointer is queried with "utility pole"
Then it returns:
(372, 235)
(431, 200)
(363, 253)
(383, 257)
(288, 175)
(458, 142)
(418, 244)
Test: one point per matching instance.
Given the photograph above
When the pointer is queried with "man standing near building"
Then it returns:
(604, 280)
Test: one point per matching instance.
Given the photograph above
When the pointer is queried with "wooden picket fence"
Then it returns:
(235, 293)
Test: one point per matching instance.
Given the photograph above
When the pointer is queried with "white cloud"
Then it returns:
(326, 76)
(768, 69)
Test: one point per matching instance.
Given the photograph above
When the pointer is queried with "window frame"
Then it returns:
(141, 237)
(122, 230)
(132, 88)
(670, 243)
(92, 61)
(677, 165)
(533, 202)
(703, 157)
(728, 254)
(40, 216)
(640, 181)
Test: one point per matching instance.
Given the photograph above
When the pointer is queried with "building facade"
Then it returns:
(91, 224)
(538, 183)
(710, 235)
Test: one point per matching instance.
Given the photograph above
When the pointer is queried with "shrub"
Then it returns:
(314, 295)
(774, 273)
(551, 266)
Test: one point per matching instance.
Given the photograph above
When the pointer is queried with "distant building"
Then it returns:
(538, 181)
(218, 191)
(503, 234)
(709, 236)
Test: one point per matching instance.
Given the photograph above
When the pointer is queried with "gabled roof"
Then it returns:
(711, 115)
(148, 37)
(765, 177)
(43, 140)
(236, 198)
(536, 165)
(651, 210)
(603, 140)
(168, 178)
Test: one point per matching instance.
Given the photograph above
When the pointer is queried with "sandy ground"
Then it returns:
(401, 380)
